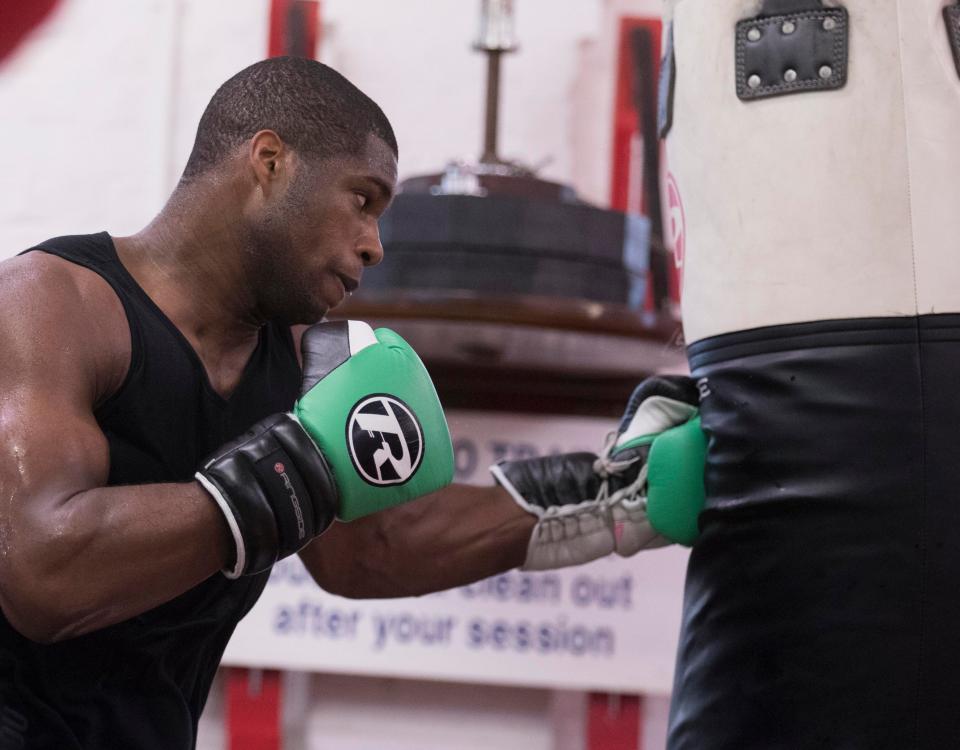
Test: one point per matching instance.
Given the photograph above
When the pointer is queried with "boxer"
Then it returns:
(814, 161)
(163, 446)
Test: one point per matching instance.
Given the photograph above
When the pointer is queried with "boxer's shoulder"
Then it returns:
(55, 313)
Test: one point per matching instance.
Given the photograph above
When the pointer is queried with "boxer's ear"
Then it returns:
(267, 156)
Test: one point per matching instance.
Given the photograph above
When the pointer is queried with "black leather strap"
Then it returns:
(791, 46)
(668, 74)
(275, 490)
(951, 15)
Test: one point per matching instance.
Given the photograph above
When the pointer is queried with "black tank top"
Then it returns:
(142, 683)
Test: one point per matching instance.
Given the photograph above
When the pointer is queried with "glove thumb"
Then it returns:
(657, 404)
(326, 346)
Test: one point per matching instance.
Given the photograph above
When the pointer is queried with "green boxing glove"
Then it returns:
(644, 490)
(372, 410)
(366, 434)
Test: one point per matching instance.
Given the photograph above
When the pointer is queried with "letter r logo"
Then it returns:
(385, 440)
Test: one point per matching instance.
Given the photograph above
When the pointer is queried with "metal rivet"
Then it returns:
(754, 34)
(788, 27)
(829, 24)
(826, 71)
(789, 75)
(754, 81)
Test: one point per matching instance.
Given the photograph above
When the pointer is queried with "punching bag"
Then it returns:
(814, 156)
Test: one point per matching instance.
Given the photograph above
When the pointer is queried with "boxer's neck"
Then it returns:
(189, 261)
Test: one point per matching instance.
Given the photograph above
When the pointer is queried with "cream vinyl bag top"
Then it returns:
(823, 205)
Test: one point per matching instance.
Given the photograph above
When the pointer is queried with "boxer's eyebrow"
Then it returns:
(385, 189)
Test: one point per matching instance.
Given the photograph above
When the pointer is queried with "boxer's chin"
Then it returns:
(306, 314)
(295, 304)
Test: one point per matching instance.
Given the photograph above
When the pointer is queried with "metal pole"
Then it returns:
(495, 37)
(493, 108)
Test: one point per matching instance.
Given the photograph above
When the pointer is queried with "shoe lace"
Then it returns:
(606, 467)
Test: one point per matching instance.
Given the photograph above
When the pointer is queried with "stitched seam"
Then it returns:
(697, 362)
(922, 541)
(930, 322)
(824, 339)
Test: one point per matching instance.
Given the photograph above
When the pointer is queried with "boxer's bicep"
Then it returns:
(451, 537)
(51, 447)
(51, 374)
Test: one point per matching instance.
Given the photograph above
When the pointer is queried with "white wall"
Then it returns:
(84, 119)
(100, 106)
(417, 63)
(341, 712)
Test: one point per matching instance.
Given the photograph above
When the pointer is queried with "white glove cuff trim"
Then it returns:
(231, 522)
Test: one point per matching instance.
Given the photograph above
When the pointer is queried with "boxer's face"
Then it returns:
(313, 244)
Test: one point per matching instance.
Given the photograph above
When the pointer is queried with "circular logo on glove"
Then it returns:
(385, 439)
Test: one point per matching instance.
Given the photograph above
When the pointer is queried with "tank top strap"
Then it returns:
(97, 253)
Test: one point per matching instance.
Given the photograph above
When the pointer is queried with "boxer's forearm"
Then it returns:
(105, 555)
(449, 538)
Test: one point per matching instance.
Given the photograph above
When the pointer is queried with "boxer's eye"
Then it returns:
(362, 200)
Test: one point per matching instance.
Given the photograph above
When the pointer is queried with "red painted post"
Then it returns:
(18, 18)
(614, 722)
(294, 28)
(253, 705)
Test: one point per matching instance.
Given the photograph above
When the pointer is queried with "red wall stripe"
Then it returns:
(613, 722)
(626, 164)
(294, 28)
(18, 18)
(626, 122)
(253, 706)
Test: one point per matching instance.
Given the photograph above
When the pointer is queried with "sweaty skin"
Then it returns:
(267, 236)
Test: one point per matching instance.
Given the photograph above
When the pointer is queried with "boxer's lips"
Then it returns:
(347, 285)
(350, 284)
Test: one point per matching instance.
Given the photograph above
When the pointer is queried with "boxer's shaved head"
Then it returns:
(309, 105)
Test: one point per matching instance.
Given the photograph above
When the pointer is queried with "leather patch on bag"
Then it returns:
(792, 52)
